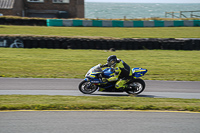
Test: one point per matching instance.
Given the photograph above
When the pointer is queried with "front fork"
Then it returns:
(89, 83)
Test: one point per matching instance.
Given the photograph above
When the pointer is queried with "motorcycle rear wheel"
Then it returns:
(87, 88)
(136, 87)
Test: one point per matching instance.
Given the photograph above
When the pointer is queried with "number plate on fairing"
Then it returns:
(94, 81)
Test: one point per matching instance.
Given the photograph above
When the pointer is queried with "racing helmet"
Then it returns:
(112, 60)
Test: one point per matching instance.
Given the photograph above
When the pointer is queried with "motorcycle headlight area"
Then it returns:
(93, 75)
(87, 74)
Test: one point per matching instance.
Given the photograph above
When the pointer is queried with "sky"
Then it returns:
(146, 1)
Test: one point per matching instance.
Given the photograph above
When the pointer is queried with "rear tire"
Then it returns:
(136, 87)
(87, 88)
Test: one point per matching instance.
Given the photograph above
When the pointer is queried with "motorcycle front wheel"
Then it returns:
(87, 88)
(136, 87)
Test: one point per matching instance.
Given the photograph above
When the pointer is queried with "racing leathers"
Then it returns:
(122, 74)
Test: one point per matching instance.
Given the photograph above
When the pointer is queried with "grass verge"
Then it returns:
(42, 102)
(101, 32)
(61, 63)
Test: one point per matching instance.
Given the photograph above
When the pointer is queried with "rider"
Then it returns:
(122, 74)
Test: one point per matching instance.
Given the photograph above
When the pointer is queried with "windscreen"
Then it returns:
(96, 69)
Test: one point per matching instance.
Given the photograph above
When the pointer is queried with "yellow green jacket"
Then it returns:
(122, 70)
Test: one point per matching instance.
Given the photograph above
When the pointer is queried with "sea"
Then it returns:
(95, 10)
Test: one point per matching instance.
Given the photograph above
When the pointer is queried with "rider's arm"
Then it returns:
(105, 65)
(116, 75)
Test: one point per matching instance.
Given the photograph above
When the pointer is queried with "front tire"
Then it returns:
(136, 87)
(87, 88)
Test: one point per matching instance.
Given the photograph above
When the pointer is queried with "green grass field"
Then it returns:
(102, 32)
(30, 102)
(61, 63)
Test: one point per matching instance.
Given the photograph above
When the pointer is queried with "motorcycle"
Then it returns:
(93, 81)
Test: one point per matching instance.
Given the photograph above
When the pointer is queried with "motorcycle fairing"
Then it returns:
(93, 80)
(107, 86)
(108, 72)
(139, 72)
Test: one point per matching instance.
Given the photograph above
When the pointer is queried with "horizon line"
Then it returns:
(145, 2)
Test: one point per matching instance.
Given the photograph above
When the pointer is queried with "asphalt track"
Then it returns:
(37, 86)
(98, 122)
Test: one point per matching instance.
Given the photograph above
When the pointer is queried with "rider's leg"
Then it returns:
(121, 84)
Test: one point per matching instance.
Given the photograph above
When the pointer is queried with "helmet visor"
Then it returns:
(110, 63)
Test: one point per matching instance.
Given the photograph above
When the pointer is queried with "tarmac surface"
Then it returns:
(37, 86)
(99, 122)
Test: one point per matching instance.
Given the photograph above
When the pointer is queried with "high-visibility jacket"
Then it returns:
(122, 70)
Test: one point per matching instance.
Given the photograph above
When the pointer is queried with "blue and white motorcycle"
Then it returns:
(93, 81)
